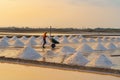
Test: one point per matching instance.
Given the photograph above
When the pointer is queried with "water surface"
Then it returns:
(21, 72)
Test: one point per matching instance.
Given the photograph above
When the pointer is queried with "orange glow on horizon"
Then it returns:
(56, 13)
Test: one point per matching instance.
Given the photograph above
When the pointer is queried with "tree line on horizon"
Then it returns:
(56, 30)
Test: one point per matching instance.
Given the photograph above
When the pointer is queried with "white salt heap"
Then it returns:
(118, 39)
(76, 59)
(5, 38)
(80, 36)
(111, 46)
(32, 37)
(91, 40)
(29, 53)
(70, 37)
(85, 48)
(18, 43)
(74, 40)
(83, 40)
(23, 38)
(66, 50)
(4, 43)
(64, 40)
(62, 37)
(99, 39)
(115, 40)
(100, 61)
(31, 41)
(13, 38)
(100, 47)
(112, 39)
(105, 39)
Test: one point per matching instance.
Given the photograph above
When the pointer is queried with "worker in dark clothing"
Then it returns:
(44, 39)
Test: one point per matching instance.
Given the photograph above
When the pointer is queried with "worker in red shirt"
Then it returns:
(44, 39)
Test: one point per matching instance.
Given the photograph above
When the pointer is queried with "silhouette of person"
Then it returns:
(44, 39)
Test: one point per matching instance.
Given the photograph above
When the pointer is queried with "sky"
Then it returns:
(60, 13)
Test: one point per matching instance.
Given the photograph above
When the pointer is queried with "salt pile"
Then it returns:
(31, 41)
(70, 37)
(99, 40)
(74, 40)
(105, 39)
(100, 47)
(29, 53)
(111, 46)
(13, 38)
(115, 40)
(76, 59)
(112, 40)
(66, 50)
(91, 40)
(83, 40)
(18, 43)
(100, 61)
(64, 40)
(32, 37)
(118, 39)
(24, 38)
(5, 38)
(80, 36)
(85, 48)
(4, 43)
(63, 36)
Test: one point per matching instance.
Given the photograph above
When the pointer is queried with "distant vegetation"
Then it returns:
(58, 30)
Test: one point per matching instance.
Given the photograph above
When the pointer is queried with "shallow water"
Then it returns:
(21, 72)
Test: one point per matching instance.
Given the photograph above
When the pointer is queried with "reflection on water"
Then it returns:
(20, 72)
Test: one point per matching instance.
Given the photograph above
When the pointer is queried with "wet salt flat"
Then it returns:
(73, 50)
(21, 72)
(14, 52)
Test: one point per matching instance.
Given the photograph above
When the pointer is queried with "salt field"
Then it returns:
(101, 52)
(59, 40)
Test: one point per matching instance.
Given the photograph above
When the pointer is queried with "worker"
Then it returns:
(44, 39)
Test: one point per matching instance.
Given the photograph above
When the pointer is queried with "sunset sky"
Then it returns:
(60, 13)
